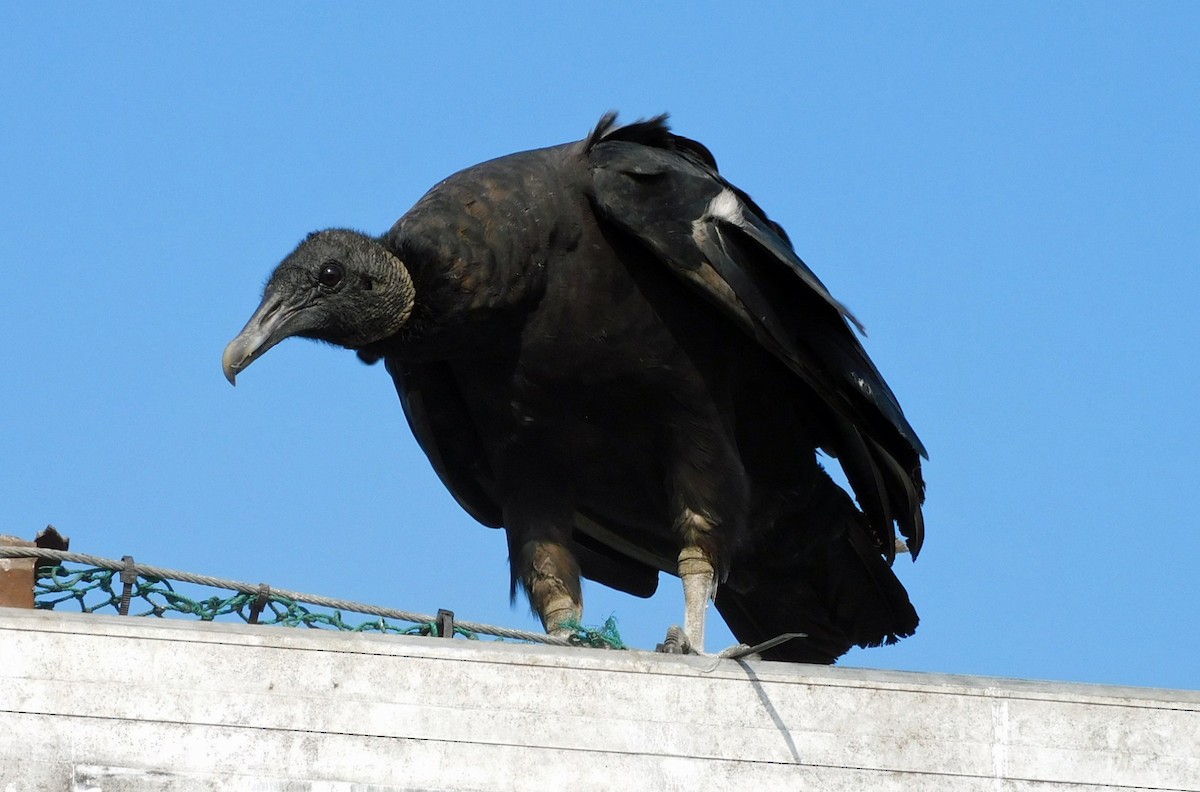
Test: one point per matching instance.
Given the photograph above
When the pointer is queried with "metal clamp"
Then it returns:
(260, 602)
(129, 577)
(445, 623)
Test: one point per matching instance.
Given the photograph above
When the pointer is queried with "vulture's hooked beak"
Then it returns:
(269, 325)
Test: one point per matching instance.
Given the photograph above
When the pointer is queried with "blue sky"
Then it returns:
(1008, 195)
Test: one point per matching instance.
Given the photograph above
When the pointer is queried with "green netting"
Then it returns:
(96, 589)
(603, 637)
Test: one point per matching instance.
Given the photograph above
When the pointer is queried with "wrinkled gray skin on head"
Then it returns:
(338, 286)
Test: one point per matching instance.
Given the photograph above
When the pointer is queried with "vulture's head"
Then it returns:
(337, 286)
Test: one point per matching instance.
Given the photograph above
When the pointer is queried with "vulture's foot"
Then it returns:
(676, 642)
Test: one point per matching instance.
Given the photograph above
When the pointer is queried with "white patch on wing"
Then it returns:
(725, 206)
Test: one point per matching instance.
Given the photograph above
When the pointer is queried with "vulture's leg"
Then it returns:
(709, 496)
(550, 576)
(544, 566)
(699, 575)
(699, 586)
(537, 521)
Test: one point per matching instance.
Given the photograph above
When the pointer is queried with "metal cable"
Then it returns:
(255, 588)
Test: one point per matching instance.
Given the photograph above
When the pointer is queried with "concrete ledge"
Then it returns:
(122, 705)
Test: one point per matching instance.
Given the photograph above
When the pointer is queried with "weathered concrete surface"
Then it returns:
(131, 705)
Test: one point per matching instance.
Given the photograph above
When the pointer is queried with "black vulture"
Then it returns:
(610, 351)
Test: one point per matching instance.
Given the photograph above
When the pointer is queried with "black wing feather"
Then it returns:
(665, 191)
(443, 427)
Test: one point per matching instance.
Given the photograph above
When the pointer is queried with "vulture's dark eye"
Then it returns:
(331, 275)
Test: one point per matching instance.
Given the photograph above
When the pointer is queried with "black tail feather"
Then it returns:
(822, 575)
